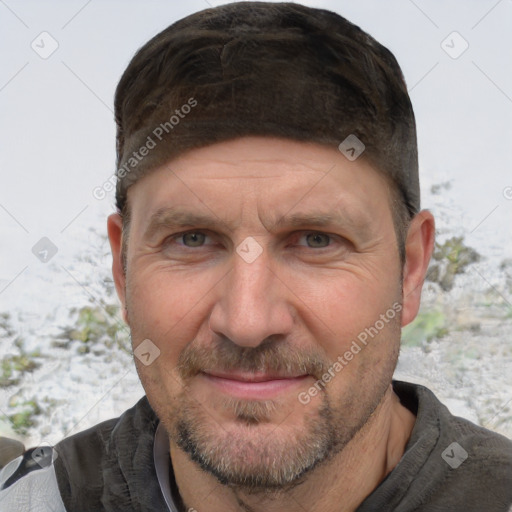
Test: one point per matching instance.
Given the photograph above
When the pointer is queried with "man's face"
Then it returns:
(257, 289)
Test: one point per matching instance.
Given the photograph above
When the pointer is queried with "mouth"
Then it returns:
(252, 385)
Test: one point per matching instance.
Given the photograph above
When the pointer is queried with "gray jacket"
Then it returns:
(450, 465)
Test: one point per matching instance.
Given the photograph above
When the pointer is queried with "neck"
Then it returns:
(339, 485)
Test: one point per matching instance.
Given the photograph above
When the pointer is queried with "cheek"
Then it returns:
(339, 309)
(166, 307)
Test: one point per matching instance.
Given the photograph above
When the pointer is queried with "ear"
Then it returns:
(115, 236)
(418, 251)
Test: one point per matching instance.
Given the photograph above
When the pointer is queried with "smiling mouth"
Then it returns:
(252, 385)
(251, 377)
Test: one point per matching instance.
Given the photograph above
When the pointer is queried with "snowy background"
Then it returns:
(58, 143)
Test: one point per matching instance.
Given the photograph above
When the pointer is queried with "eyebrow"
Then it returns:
(170, 217)
(319, 219)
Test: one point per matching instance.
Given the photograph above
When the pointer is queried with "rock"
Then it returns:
(9, 450)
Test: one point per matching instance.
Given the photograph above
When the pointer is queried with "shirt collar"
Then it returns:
(162, 458)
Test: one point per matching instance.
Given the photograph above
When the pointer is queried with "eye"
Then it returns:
(317, 240)
(195, 239)
(189, 239)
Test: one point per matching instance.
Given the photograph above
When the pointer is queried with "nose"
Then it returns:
(253, 304)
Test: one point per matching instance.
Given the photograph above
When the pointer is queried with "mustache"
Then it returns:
(271, 356)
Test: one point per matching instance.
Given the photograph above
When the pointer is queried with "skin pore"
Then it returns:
(265, 255)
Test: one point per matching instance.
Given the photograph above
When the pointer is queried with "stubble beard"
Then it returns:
(257, 457)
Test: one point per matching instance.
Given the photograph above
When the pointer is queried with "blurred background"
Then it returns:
(65, 357)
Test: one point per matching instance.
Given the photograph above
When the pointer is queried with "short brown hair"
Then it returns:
(258, 68)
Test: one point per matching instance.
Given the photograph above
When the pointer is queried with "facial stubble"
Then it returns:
(251, 454)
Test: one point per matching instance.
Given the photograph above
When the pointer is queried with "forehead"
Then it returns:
(273, 175)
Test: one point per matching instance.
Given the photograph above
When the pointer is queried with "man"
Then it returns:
(268, 247)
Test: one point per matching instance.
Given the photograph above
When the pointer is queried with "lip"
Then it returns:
(252, 386)
(250, 377)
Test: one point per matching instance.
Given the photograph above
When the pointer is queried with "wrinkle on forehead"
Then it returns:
(213, 169)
